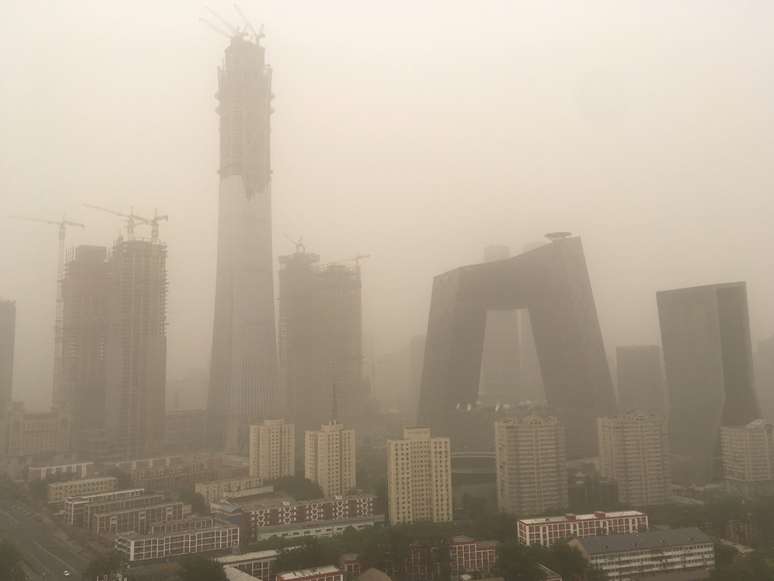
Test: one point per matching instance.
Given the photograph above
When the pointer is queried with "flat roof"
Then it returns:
(303, 573)
(647, 540)
(254, 556)
(581, 517)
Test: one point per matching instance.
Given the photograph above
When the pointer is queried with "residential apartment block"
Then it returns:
(329, 459)
(272, 450)
(419, 477)
(747, 453)
(546, 531)
(138, 519)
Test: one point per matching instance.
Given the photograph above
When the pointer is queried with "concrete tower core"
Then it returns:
(243, 372)
(553, 284)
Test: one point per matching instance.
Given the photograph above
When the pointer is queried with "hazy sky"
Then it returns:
(415, 131)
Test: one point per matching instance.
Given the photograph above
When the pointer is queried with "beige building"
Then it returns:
(634, 452)
(215, 490)
(272, 450)
(531, 465)
(747, 454)
(419, 477)
(58, 491)
(27, 433)
(329, 458)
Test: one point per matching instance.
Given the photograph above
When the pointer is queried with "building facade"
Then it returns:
(553, 284)
(705, 334)
(138, 519)
(469, 556)
(419, 477)
(272, 450)
(329, 459)
(79, 509)
(81, 392)
(320, 340)
(259, 564)
(136, 348)
(634, 452)
(243, 372)
(531, 465)
(747, 454)
(7, 343)
(326, 573)
(683, 553)
(186, 430)
(58, 491)
(175, 538)
(76, 470)
(640, 379)
(547, 531)
(35, 434)
(214, 490)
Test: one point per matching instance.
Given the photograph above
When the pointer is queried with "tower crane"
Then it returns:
(131, 218)
(62, 225)
(355, 259)
(154, 223)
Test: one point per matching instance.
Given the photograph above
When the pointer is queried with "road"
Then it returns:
(46, 550)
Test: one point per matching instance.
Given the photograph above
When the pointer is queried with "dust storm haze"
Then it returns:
(417, 132)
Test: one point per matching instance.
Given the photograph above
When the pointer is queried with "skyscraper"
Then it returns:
(500, 362)
(419, 478)
(272, 451)
(320, 340)
(634, 452)
(136, 348)
(531, 472)
(705, 334)
(7, 342)
(552, 282)
(640, 378)
(329, 458)
(84, 335)
(243, 373)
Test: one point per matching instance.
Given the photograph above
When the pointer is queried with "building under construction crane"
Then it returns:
(243, 371)
(320, 339)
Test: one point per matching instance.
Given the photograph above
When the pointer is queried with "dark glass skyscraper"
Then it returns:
(552, 282)
(705, 334)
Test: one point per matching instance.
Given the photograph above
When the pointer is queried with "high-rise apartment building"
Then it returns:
(705, 334)
(747, 453)
(419, 477)
(7, 342)
(530, 456)
(634, 452)
(243, 372)
(320, 339)
(329, 458)
(136, 348)
(552, 283)
(640, 379)
(272, 450)
(85, 287)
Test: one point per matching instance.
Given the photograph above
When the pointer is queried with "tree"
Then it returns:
(103, 565)
(517, 562)
(312, 553)
(198, 503)
(10, 563)
(197, 568)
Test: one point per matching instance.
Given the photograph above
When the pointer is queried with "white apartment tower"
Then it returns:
(243, 373)
(419, 477)
(634, 452)
(747, 453)
(272, 450)
(531, 458)
(329, 458)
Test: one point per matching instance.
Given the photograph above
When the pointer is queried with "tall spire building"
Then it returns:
(243, 373)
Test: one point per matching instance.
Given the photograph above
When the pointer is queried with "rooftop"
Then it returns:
(303, 573)
(254, 556)
(581, 517)
(646, 540)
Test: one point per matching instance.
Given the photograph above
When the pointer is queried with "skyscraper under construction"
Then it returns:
(243, 373)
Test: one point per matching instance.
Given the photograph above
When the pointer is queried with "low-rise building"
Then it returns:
(686, 551)
(178, 537)
(138, 519)
(28, 433)
(173, 472)
(545, 531)
(467, 555)
(78, 509)
(215, 490)
(58, 491)
(549, 574)
(259, 564)
(326, 573)
(278, 515)
(60, 471)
